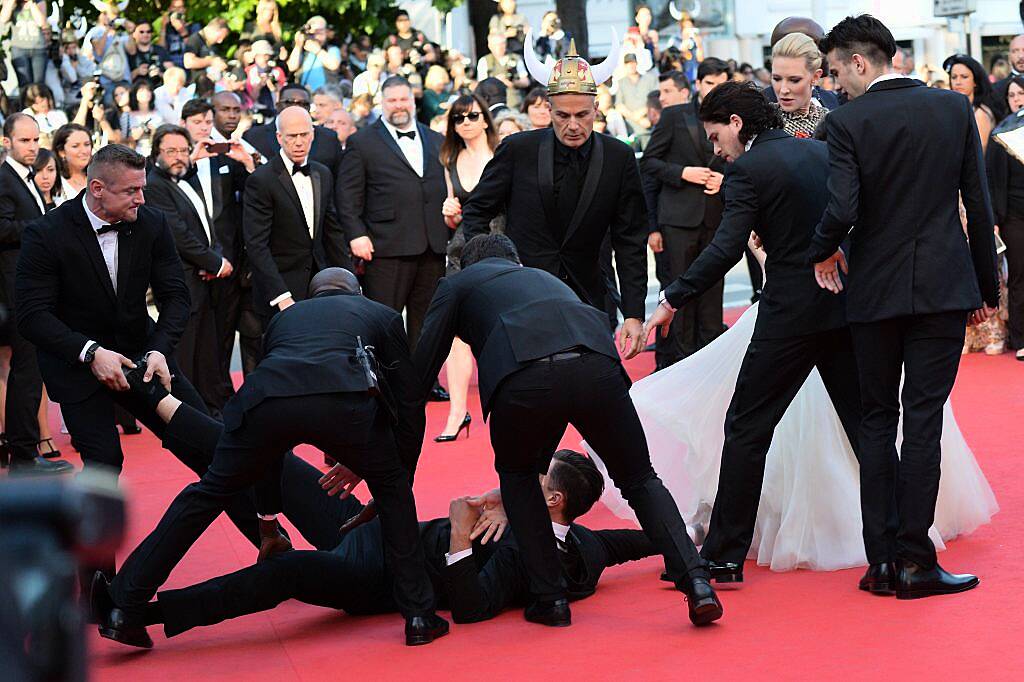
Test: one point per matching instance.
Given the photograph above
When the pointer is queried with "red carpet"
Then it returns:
(793, 625)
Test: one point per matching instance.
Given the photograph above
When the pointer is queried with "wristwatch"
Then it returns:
(90, 353)
(664, 302)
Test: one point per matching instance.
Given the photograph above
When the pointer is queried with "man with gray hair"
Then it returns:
(326, 100)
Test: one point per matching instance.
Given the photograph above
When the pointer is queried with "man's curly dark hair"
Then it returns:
(746, 101)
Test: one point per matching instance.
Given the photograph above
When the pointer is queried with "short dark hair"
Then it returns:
(654, 100)
(678, 78)
(395, 82)
(982, 85)
(115, 155)
(745, 100)
(13, 119)
(577, 477)
(195, 107)
(863, 35)
(492, 91)
(535, 95)
(43, 157)
(713, 66)
(162, 132)
(133, 94)
(488, 246)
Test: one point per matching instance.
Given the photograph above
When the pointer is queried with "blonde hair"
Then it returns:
(800, 46)
(436, 76)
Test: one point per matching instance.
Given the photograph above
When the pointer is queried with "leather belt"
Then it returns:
(565, 355)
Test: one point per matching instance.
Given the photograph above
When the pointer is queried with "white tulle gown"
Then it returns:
(809, 513)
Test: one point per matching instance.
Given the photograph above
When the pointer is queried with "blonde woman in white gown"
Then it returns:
(809, 513)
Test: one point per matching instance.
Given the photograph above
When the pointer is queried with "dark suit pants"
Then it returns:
(529, 414)
(24, 392)
(346, 572)
(700, 321)
(1012, 232)
(198, 354)
(405, 283)
(352, 429)
(923, 351)
(235, 313)
(772, 373)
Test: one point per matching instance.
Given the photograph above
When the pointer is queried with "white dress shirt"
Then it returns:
(206, 182)
(304, 188)
(108, 246)
(412, 148)
(197, 203)
(885, 77)
(22, 172)
(561, 533)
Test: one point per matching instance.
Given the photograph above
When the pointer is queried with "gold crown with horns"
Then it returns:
(571, 75)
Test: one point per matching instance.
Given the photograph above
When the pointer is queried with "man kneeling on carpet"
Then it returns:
(474, 578)
(317, 384)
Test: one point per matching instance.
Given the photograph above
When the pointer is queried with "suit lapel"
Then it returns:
(20, 184)
(690, 121)
(314, 175)
(85, 234)
(216, 189)
(589, 186)
(393, 146)
(289, 189)
(546, 175)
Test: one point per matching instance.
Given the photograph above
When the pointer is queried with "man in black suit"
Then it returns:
(546, 360)
(290, 226)
(174, 189)
(390, 193)
(20, 204)
(310, 387)
(325, 148)
(562, 190)
(914, 281)
(998, 102)
(799, 327)
(682, 161)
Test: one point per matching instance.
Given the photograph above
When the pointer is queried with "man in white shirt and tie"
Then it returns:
(20, 203)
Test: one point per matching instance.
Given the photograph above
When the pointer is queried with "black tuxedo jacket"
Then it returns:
(997, 164)
(310, 348)
(382, 197)
(66, 297)
(228, 178)
(326, 148)
(194, 248)
(17, 208)
(778, 190)
(676, 142)
(899, 157)
(281, 254)
(510, 316)
(519, 181)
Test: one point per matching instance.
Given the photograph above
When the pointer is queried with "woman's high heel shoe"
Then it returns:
(51, 452)
(443, 438)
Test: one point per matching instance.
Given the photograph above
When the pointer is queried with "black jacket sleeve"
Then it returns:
(167, 280)
(477, 595)
(844, 193)
(997, 168)
(335, 244)
(351, 193)
(257, 221)
(655, 162)
(401, 378)
(490, 196)
(190, 248)
(629, 241)
(435, 338)
(980, 233)
(726, 248)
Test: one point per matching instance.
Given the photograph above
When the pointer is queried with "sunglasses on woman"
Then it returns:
(472, 117)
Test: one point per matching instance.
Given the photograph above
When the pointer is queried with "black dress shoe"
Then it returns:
(726, 571)
(438, 394)
(879, 579)
(554, 613)
(915, 582)
(113, 622)
(39, 466)
(424, 629)
(703, 602)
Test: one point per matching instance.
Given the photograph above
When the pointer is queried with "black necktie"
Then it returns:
(31, 174)
(304, 169)
(113, 227)
(411, 134)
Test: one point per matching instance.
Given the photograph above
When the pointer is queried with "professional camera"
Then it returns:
(178, 16)
(49, 530)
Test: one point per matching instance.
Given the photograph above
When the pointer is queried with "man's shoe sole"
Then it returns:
(118, 636)
(561, 623)
(879, 588)
(921, 594)
(421, 639)
(706, 613)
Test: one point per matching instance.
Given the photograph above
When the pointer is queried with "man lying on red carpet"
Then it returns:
(474, 578)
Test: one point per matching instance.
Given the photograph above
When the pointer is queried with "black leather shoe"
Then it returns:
(113, 622)
(39, 466)
(703, 602)
(151, 391)
(424, 629)
(915, 582)
(554, 613)
(879, 579)
(438, 394)
(726, 571)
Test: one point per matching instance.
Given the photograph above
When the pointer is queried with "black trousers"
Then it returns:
(772, 373)
(24, 392)
(663, 345)
(699, 322)
(352, 429)
(199, 352)
(529, 414)
(406, 283)
(898, 492)
(1012, 232)
(233, 302)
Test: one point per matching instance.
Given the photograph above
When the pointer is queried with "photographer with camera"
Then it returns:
(174, 29)
(201, 55)
(105, 44)
(146, 59)
(94, 114)
(264, 78)
(510, 23)
(267, 26)
(30, 38)
(312, 61)
(75, 68)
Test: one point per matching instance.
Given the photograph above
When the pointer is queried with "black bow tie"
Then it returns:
(411, 134)
(304, 169)
(113, 227)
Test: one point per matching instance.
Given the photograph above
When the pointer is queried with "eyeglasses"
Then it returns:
(295, 103)
(472, 117)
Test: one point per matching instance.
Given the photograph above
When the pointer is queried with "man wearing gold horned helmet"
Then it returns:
(564, 188)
